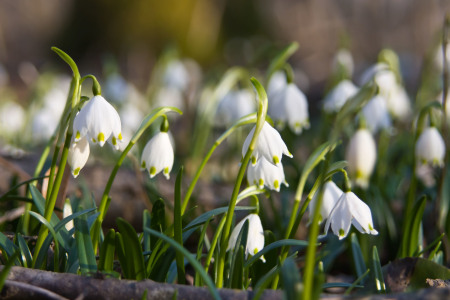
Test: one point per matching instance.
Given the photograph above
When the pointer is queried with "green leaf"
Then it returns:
(107, 251)
(4, 273)
(198, 281)
(14, 188)
(120, 249)
(86, 255)
(358, 259)
(8, 247)
(212, 213)
(64, 56)
(410, 241)
(157, 220)
(195, 264)
(280, 60)
(133, 250)
(177, 227)
(277, 244)
(290, 277)
(146, 224)
(379, 279)
(25, 253)
(54, 235)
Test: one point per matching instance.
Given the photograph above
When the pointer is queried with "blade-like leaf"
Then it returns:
(86, 255)
(379, 279)
(107, 250)
(133, 250)
(358, 259)
(177, 227)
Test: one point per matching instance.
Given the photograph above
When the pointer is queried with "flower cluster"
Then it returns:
(265, 168)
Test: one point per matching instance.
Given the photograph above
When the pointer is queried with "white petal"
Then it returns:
(264, 173)
(158, 155)
(337, 97)
(376, 114)
(331, 195)
(361, 155)
(340, 218)
(296, 106)
(362, 216)
(430, 147)
(78, 156)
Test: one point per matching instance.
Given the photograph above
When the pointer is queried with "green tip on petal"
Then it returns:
(76, 172)
(166, 170)
(255, 251)
(114, 141)
(152, 171)
(253, 160)
(276, 184)
(94, 140)
(261, 182)
(101, 137)
(341, 232)
(78, 135)
(119, 136)
(276, 160)
(143, 164)
(370, 227)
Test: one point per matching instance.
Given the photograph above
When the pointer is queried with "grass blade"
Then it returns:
(133, 250)
(177, 227)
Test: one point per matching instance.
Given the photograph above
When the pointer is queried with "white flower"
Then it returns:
(98, 120)
(255, 237)
(397, 99)
(331, 194)
(430, 147)
(266, 173)
(78, 156)
(169, 96)
(276, 83)
(233, 106)
(269, 145)
(158, 155)
(289, 105)
(376, 114)
(350, 210)
(176, 75)
(361, 155)
(337, 97)
(12, 118)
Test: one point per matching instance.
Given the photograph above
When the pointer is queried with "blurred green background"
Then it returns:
(222, 32)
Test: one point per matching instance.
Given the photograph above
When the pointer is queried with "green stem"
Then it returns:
(261, 118)
(243, 121)
(95, 232)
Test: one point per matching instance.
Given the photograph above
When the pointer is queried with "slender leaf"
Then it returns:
(120, 249)
(158, 220)
(378, 272)
(236, 270)
(86, 255)
(107, 250)
(279, 61)
(25, 253)
(277, 244)
(133, 250)
(4, 273)
(212, 213)
(177, 227)
(195, 264)
(14, 188)
(290, 277)
(358, 259)
(146, 224)
(8, 247)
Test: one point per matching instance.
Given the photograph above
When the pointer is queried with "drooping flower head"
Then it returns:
(233, 106)
(361, 156)
(255, 238)
(376, 114)
(264, 173)
(290, 105)
(270, 145)
(337, 97)
(349, 210)
(331, 195)
(78, 156)
(430, 147)
(98, 121)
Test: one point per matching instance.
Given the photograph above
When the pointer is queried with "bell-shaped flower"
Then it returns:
(376, 114)
(67, 211)
(255, 237)
(339, 95)
(264, 173)
(331, 195)
(158, 155)
(12, 118)
(289, 105)
(98, 120)
(343, 61)
(78, 156)
(233, 106)
(348, 210)
(361, 156)
(430, 147)
(277, 82)
(269, 145)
